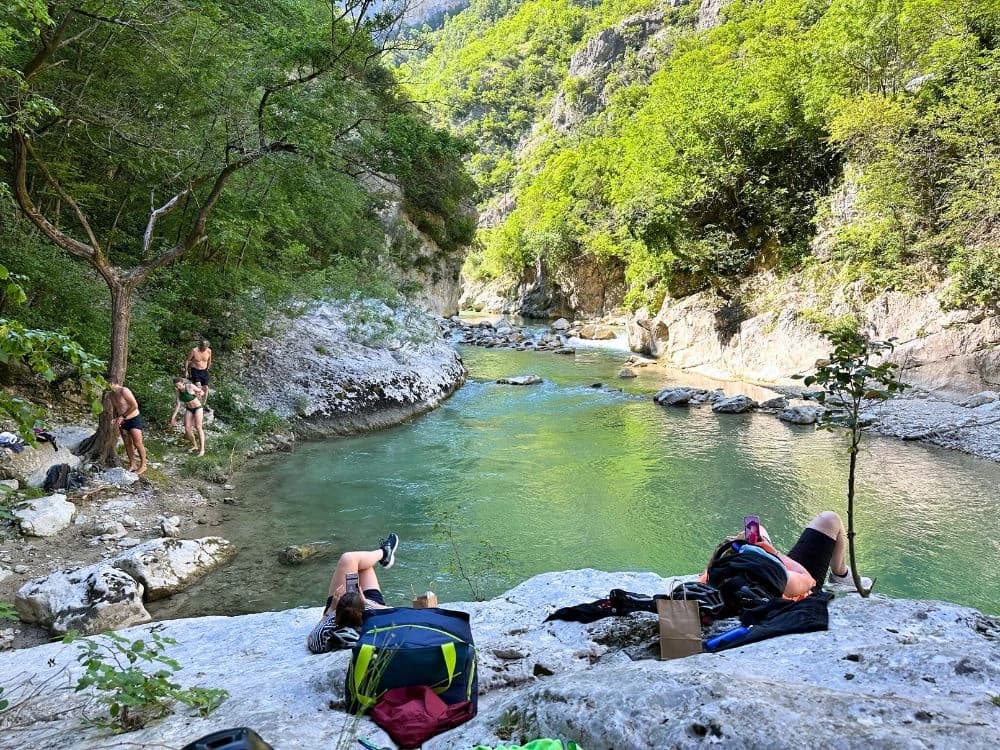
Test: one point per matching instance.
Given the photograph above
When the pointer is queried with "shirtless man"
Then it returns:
(196, 367)
(129, 423)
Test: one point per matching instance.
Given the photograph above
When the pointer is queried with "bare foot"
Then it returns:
(193, 450)
(131, 467)
(202, 452)
(141, 469)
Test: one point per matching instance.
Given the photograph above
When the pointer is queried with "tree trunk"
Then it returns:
(850, 521)
(102, 446)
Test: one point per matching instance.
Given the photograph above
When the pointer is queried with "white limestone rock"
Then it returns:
(888, 673)
(118, 477)
(89, 600)
(166, 566)
(560, 325)
(44, 516)
(30, 466)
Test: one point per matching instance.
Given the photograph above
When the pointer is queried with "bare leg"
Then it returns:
(197, 417)
(829, 523)
(354, 562)
(140, 449)
(129, 449)
(189, 431)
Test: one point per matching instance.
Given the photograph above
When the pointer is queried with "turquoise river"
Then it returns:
(504, 482)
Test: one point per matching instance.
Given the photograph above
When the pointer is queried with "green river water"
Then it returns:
(561, 475)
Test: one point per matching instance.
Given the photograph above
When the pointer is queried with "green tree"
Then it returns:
(43, 353)
(127, 123)
(850, 379)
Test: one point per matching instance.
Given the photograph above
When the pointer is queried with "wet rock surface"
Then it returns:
(888, 673)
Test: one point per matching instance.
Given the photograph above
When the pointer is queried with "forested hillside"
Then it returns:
(208, 164)
(840, 140)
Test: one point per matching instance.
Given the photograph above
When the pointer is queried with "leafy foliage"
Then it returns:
(716, 160)
(43, 353)
(114, 668)
(849, 378)
(297, 83)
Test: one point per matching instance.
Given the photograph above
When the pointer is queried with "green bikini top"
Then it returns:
(186, 397)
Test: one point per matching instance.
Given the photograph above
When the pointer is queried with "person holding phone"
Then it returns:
(821, 549)
(354, 589)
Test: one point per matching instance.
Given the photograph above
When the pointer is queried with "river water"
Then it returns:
(503, 482)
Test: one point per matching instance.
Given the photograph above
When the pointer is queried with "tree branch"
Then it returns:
(65, 196)
(197, 234)
(155, 214)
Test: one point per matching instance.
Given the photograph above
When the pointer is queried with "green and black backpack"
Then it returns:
(402, 647)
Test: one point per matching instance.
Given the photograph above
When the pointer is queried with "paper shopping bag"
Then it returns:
(680, 628)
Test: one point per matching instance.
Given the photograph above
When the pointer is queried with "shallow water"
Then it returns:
(521, 480)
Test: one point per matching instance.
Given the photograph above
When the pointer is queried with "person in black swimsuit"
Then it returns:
(129, 424)
(188, 396)
(344, 611)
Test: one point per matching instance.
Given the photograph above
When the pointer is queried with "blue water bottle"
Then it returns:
(726, 638)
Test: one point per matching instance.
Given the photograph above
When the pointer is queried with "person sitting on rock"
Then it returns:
(821, 547)
(341, 620)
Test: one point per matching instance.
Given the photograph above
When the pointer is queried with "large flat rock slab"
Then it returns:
(31, 465)
(889, 673)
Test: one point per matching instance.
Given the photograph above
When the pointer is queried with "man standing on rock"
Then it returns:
(196, 367)
(129, 423)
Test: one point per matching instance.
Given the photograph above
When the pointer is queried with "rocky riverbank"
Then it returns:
(888, 673)
(339, 367)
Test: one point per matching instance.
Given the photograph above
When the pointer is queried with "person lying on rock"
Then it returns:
(822, 546)
(189, 396)
(338, 627)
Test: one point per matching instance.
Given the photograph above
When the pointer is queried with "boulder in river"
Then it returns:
(626, 372)
(296, 554)
(800, 414)
(561, 325)
(597, 331)
(778, 403)
(673, 396)
(734, 405)
(520, 380)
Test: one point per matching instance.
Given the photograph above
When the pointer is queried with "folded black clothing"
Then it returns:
(618, 602)
(784, 617)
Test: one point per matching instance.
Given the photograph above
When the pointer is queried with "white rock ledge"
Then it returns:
(888, 673)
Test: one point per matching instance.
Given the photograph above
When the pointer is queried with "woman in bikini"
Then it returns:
(189, 396)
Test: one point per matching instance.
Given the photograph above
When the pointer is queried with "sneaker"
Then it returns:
(848, 580)
(388, 547)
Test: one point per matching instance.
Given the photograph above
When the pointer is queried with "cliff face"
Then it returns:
(887, 673)
(951, 352)
(349, 367)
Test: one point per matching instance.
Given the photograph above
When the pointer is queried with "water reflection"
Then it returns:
(562, 475)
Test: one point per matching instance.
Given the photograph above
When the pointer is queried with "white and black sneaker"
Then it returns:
(388, 547)
(847, 580)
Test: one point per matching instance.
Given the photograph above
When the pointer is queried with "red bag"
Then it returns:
(412, 715)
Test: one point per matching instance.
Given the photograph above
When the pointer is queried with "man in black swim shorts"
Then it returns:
(196, 366)
(129, 423)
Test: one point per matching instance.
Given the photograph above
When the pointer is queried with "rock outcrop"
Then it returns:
(166, 566)
(953, 352)
(348, 367)
(888, 673)
(89, 600)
